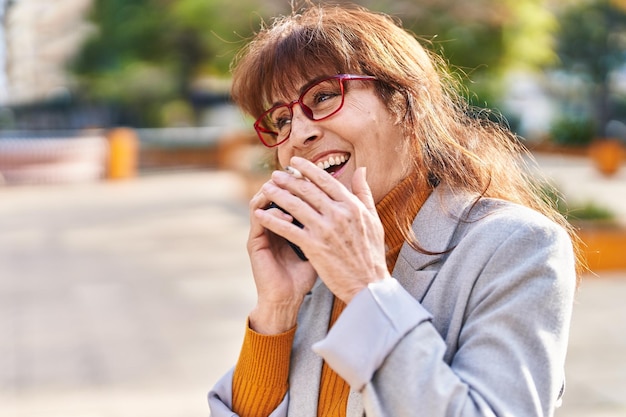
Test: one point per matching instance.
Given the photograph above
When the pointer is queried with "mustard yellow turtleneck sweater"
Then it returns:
(261, 375)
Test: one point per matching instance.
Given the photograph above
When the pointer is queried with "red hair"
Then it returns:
(449, 140)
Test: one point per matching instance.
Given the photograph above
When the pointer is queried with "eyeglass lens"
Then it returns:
(317, 102)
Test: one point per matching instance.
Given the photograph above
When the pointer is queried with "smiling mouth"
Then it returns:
(333, 163)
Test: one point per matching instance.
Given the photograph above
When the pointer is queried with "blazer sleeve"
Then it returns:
(510, 351)
(221, 399)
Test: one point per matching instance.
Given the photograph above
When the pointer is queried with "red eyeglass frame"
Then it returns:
(260, 130)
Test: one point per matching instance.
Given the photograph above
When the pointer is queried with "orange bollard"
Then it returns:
(123, 153)
(607, 155)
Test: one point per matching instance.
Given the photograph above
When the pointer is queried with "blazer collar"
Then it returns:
(435, 225)
(434, 228)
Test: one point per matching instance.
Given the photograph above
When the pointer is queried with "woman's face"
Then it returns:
(362, 134)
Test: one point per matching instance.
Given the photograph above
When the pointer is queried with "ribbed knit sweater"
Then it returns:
(261, 375)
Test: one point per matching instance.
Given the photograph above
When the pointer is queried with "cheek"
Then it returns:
(281, 157)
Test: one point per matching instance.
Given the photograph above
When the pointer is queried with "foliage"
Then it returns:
(588, 211)
(572, 131)
(147, 52)
(592, 39)
(482, 39)
(591, 43)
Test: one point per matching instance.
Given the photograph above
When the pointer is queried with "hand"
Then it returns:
(281, 278)
(342, 235)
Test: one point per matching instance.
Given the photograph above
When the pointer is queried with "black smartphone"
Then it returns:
(295, 247)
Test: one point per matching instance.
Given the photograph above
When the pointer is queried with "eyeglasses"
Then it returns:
(318, 102)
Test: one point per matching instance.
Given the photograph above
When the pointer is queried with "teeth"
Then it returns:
(332, 161)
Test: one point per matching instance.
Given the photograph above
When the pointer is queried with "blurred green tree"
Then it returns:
(484, 39)
(144, 53)
(592, 46)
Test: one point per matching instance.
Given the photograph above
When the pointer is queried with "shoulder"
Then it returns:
(499, 247)
(499, 220)
(451, 219)
(500, 239)
(450, 215)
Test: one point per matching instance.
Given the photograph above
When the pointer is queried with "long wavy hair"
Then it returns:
(449, 140)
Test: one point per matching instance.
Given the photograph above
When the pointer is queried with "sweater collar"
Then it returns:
(397, 211)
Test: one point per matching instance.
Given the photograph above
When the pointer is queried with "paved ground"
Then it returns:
(128, 299)
(120, 299)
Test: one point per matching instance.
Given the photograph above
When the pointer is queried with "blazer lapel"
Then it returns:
(306, 366)
(434, 227)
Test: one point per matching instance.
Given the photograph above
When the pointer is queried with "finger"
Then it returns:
(361, 189)
(300, 197)
(279, 223)
(322, 179)
(257, 230)
(259, 200)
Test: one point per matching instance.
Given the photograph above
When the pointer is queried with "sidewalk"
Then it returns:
(129, 299)
(121, 299)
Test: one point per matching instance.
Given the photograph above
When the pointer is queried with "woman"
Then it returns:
(438, 281)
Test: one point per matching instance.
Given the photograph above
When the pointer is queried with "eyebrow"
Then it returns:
(304, 88)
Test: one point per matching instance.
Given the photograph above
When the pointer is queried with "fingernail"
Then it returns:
(280, 174)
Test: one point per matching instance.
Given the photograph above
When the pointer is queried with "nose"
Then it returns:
(303, 129)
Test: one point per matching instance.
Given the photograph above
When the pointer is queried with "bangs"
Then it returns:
(289, 58)
(302, 58)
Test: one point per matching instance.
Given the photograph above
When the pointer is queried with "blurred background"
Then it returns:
(125, 172)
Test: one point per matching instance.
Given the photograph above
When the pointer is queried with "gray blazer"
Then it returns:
(480, 330)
